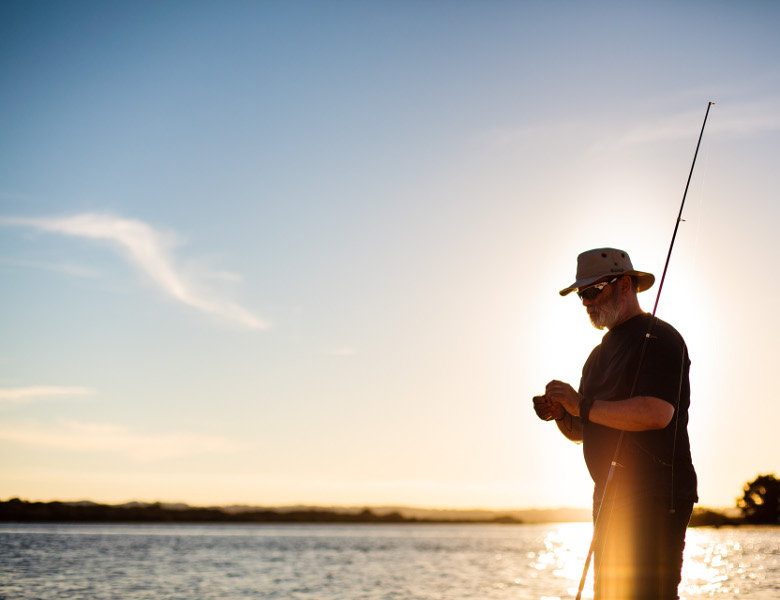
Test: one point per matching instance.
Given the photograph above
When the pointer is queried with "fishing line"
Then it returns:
(700, 207)
(648, 335)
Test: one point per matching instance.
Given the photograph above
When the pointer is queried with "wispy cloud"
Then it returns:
(20, 395)
(749, 119)
(151, 251)
(341, 351)
(108, 438)
(667, 129)
(736, 120)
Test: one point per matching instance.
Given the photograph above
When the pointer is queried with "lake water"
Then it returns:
(350, 562)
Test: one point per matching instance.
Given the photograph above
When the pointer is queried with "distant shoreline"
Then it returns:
(22, 511)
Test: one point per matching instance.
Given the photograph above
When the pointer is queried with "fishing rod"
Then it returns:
(648, 335)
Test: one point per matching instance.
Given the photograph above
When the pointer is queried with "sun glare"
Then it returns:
(561, 341)
(564, 553)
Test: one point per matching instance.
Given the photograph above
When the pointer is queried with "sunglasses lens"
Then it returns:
(593, 291)
(590, 293)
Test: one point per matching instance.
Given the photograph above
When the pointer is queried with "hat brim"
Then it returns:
(646, 281)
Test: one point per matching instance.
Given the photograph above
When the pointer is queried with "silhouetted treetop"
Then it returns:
(761, 501)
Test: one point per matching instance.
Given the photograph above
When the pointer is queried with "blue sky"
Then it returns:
(309, 252)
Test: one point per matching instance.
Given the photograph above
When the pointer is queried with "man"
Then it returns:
(634, 388)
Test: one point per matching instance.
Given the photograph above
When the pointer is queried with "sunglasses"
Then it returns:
(592, 292)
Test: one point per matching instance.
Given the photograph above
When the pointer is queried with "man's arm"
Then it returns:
(570, 426)
(640, 413)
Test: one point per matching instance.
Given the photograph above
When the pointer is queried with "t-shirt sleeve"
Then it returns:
(663, 367)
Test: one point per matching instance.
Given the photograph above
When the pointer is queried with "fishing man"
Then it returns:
(637, 392)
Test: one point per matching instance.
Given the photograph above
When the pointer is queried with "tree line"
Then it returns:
(760, 505)
(22, 511)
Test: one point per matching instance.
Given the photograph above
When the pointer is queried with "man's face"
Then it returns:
(604, 310)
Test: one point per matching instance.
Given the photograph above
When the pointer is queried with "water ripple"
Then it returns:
(362, 562)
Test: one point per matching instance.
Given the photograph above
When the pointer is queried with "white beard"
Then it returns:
(605, 316)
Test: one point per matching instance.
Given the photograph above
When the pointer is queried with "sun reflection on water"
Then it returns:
(564, 549)
(414, 562)
(717, 563)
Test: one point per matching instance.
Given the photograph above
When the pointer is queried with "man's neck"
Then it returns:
(630, 312)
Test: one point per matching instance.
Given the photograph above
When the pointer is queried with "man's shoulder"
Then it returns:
(636, 329)
(666, 329)
(646, 322)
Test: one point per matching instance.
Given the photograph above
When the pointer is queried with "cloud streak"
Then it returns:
(78, 436)
(341, 351)
(151, 251)
(738, 121)
(21, 395)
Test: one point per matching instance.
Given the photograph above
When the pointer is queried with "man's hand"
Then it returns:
(546, 409)
(565, 395)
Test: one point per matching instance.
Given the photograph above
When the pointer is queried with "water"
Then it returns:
(350, 562)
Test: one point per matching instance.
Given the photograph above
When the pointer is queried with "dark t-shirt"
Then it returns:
(646, 457)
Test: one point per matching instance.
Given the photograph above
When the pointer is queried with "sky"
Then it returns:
(281, 253)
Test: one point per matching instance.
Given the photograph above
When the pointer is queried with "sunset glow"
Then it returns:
(310, 253)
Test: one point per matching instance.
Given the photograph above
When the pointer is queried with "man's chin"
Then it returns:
(596, 323)
(603, 319)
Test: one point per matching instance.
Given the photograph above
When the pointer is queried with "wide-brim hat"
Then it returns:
(602, 262)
